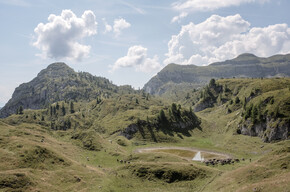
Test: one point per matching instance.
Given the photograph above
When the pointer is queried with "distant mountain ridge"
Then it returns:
(59, 82)
(174, 76)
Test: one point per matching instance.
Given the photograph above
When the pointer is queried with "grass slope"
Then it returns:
(39, 152)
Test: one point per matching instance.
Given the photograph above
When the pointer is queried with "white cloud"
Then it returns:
(137, 58)
(60, 37)
(220, 38)
(179, 17)
(108, 28)
(119, 25)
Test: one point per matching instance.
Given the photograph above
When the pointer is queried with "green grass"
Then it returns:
(84, 157)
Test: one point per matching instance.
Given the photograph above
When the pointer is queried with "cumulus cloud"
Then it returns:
(108, 28)
(220, 38)
(119, 25)
(137, 58)
(60, 37)
(179, 17)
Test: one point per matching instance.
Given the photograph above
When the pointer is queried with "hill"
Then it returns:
(60, 82)
(94, 136)
(262, 106)
(47, 150)
(175, 78)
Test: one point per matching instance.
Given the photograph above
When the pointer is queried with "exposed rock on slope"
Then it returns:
(263, 105)
(59, 82)
(245, 65)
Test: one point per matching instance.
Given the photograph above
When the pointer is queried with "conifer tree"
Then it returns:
(162, 118)
(20, 110)
(63, 109)
(72, 107)
(57, 106)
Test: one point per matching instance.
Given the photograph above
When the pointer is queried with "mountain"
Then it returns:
(60, 82)
(174, 78)
(88, 134)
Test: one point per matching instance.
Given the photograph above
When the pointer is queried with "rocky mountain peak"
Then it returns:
(56, 70)
(246, 57)
(57, 82)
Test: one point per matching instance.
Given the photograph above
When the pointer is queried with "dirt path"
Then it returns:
(152, 149)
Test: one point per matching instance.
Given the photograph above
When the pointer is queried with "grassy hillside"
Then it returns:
(262, 105)
(38, 158)
(82, 145)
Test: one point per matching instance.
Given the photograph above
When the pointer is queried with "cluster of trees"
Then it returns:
(253, 112)
(176, 113)
(56, 110)
(19, 110)
(64, 125)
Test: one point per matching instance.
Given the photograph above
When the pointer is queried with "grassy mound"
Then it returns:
(41, 158)
(167, 172)
(14, 182)
(89, 140)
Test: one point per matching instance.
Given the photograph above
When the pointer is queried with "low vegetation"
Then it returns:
(99, 143)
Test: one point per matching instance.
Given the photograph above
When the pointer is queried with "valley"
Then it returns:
(69, 131)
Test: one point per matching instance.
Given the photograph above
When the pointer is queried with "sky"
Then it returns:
(130, 41)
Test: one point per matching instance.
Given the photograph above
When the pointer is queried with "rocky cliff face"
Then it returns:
(270, 130)
(245, 65)
(55, 83)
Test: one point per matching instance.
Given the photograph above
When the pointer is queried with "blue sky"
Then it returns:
(129, 41)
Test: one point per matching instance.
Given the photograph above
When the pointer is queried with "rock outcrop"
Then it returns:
(270, 130)
(56, 83)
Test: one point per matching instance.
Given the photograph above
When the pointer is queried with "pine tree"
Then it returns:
(72, 107)
(162, 118)
(19, 110)
(68, 124)
(248, 111)
(212, 83)
(57, 106)
(245, 103)
(254, 114)
(63, 109)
